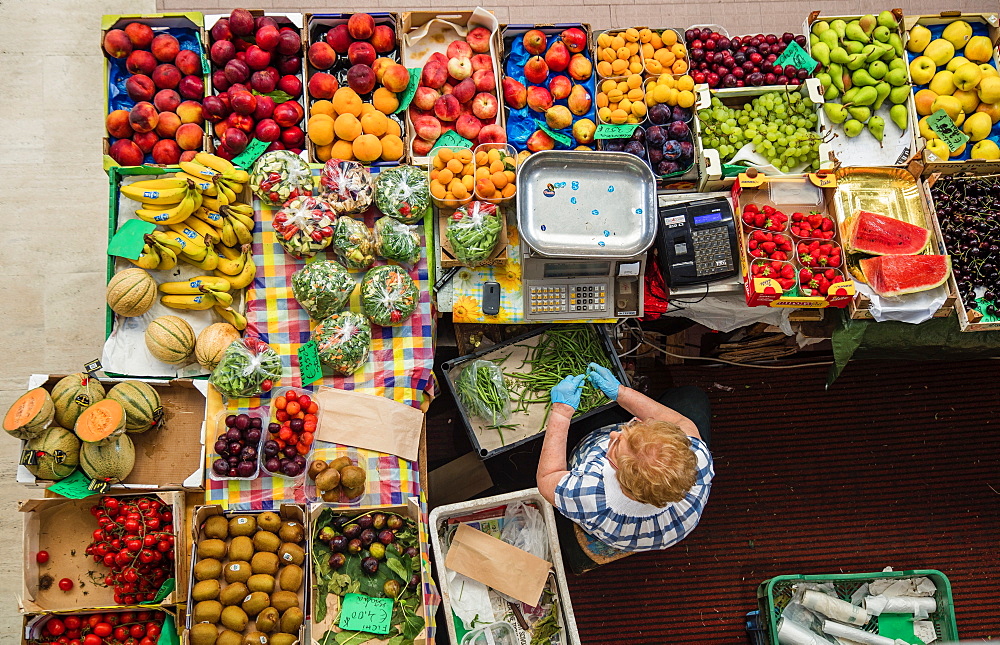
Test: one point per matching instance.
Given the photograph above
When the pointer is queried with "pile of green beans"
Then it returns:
(482, 390)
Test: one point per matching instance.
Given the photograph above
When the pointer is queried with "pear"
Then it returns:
(850, 94)
(853, 31)
(896, 77)
(878, 70)
(882, 92)
(888, 20)
(868, 23)
(813, 39)
(829, 38)
(579, 100)
(899, 115)
(836, 112)
(821, 52)
(820, 26)
(840, 27)
(881, 34)
(866, 96)
(876, 125)
(861, 113)
(831, 93)
(871, 52)
(897, 43)
(824, 79)
(853, 46)
(837, 76)
(862, 77)
(898, 95)
(839, 55)
(853, 127)
(857, 61)
(897, 63)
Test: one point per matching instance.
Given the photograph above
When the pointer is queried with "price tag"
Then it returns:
(128, 240)
(165, 590)
(613, 131)
(557, 136)
(92, 367)
(452, 139)
(945, 128)
(29, 457)
(76, 486)
(310, 368)
(410, 91)
(168, 634)
(797, 57)
(825, 180)
(254, 149)
(366, 614)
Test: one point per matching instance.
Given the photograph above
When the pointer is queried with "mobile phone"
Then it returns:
(491, 298)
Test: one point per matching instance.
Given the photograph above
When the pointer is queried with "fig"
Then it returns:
(337, 560)
(352, 531)
(327, 533)
(368, 536)
(386, 537)
(338, 543)
(378, 521)
(391, 588)
(369, 565)
(394, 522)
(377, 550)
(353, 547)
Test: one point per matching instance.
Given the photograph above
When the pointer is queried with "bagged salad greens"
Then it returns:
(473, 231)
(353, 243)
(403, 192)
(344, 340)
(397, 241)
(279, 175)
(322, 288)
(388, 295)
(304, 226)
(248, 367)
(347, 185)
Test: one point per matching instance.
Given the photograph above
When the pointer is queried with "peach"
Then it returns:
(361, 26)
(514, 93)
(375, 123)
(322, 85)
(361, 53)
(460, 68)
(221, 30)
(143, 117)
(214, 109)
(188, 62)
(384, 39)
(485, 80)
(237, 71)
(434, 75)
(293, 137)
(380, 65)
(534, 42)
(347, 127)
(339, 38)
(425, 98)
(385, 101)
(189, 155)
(167, 125)
(492, 133)
(267, 130)
(468, 126)
(221, 52)
(241, 22)
(459, 49)
(145, 141)
(141, 62)
(268, 37)
(288, 114)
(117, 43)
(347, 101)
(560, 86)
(190, 112)
(242, 102)
(321, 55)
(447, 108)
(427, 127)
(361, 78)
(580, 67)
(189, 136)
(421, 147)
(396, 78)
(126, 153)
(192, 87)
(290, 43)
(257, 58)
(238, 121)
(140, 34)
(165, 47)
(392, 147)
(166, 100)
(539, 141)
(140, 87)
(290, 85)
(233, 138)
(464, 91)
(264, 109)
(367, 148)
(539, 99)
(481, 61)
(438, 57)
(479, 40)
(264, 81)
(166, 152)
(117, 124)
(166, 76)
(485, 105)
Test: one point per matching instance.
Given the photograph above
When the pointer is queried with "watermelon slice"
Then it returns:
(876, 234)
(896, 275)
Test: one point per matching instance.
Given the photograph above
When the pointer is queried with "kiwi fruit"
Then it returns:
(207, 611)
(266, 541)
(328, 479)
(283, 639)
(350, 477)
(291, 620)
(331, 495)
(291, 531)
(208, 569)
(238, 571)
(255, 603)
(291, 554)
(267, 620)
(290, 578)
(203, 634)
(269, 521)
(283, 600)
(233, 594)
(216, 527)
(257, 638)
(213, 548)
(234, 618)
(206, 590)
(354, 493)
(242, 525)
(261, 582)
(316, 468)
(340, 463)
(241, 548)
(229, 637)
(264, 562)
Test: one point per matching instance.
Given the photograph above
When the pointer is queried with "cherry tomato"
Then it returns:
(65, 584)
(72, 623)
(63, 640)
(42, 557)
(110, 503)
(55, 627)
(137, 631)
(280, 402)
(127, 617)
(102, 629)
(166, 517)
(266, 385)
(152, 630)
(153, 524)
(93, 620)
(291, 395)
(76, 641)
(112, 619)
(121, 633)
(132, 526)
(164, 546)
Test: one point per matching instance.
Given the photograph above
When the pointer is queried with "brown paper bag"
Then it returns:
(498, 565)
(371, 422)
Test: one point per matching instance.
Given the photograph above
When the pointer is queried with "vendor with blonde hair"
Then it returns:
(634, 486)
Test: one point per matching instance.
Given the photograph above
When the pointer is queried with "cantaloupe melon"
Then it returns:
(100, 421)
(74, 394)
(29, 415)
(212, 344)
(131, 292)
(170, 339)
(111, 459)
(141, 402)
(57, 452)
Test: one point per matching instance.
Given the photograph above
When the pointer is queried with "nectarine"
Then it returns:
(117, 124)
(140, 34)
(165, 47)
(117, 43)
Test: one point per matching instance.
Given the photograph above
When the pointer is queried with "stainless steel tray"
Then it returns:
(586, 204)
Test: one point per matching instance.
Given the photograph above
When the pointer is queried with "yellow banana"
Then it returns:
(241, 216)
(242, 209)
(168, 259)
(245, 277)
(223, 166)
(225, 191)
(233, 317)
(192, 236)
(203, 185)
(243, 236)
(188, 250)
(156, 195)
(165, 181)
(207, 263)
(209, 234)
(177, 214)
(149, 259)
(229, 266)
(229, 233)
(222, 298)
(231, 252)
(198, 302)
(213, 203)
(164, 239)
(213, 219)
(198, 170)
(234, 186)
(193, 286)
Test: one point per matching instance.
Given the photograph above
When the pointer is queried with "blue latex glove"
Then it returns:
(568, 391)
(603, 379)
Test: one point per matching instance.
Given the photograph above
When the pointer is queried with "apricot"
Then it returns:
(167, 125)
(342, 150)
(485, 188)
(509, 191)
(189, 136)
(126, 153)
(367, 108)
(346, 101)
(143, 117)
(347, 127)
(385, 101)
(117, 124)
(437, 190)
(367, 148)
(324, 153)
(499, 180)
(323, 107)
(464, 155)
(392, 147)
(320, 129)
(166, 152)
(374, 123)
(117, 44)
(445, 176)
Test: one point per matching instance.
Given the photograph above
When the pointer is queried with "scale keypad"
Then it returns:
(712, 253)
(571, 298)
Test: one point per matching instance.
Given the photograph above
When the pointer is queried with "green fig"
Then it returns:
(862, 77)
(821, 52)
(899, 115)
(898, 95)
(866, 95)
(853, 46)
(861, 113)
(856, 62)
(829, 38)
(888, 20)
(883, 89)
(820, 26)
(839, 55)
(831, 93)
(881, 34)
(856, 33)
(878, 70)
(840, 27)
(897, 43)
(896, 77)
(868, 22)
(853, 127)
(876, 125)
(836, 112)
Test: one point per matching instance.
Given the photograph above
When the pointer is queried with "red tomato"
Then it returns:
(137, 631)
(55, 627)
(121, 633)
(293, 408)
(93, 639)
(65, 584)
(280, 402)
(102, 629)
(94, 619)
(291, 395)
(42, 557)
(72, 623)
(152, 630)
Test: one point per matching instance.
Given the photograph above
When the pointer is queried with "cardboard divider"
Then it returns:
(34, 624)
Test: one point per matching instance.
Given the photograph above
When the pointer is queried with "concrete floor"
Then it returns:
(53, 208)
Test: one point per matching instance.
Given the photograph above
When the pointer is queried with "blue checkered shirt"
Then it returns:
(589, 494)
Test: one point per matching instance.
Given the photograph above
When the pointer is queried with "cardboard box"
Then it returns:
(170, 456)
(34, 624)
(115, 68)
(289, 512)
(448, 258)
(411, 510)
(64, 528)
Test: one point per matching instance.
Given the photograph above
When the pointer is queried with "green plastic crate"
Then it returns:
(774, 595)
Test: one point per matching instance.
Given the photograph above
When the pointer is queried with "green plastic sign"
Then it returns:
(165, 590)
(797, 57)
(168, 633)
(206, 67)
(452, 139)
(254, 150)
(615, 131)
(945, 128)
(76, 486)
(128, 240)
(310, 368)
(410, 91)
(365, 614)
(557, 136)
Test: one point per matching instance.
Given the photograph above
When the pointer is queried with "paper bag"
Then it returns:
(371, 422)
(498, 565)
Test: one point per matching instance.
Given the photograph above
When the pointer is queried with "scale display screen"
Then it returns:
(705, 219)
(575, 269)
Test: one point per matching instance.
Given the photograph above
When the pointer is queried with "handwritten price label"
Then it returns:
(941, 123)
(253, 150)
(366, 614)
(310, 368)
(557, 136)
(613, 131)
(797, 57)
(411, 89)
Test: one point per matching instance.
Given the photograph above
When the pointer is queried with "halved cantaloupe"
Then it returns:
(100, 421)
(30, 414)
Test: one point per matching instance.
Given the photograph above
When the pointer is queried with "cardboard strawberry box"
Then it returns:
(76, 625)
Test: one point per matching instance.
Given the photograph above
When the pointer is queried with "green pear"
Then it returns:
(840, 27)
(856, 62)
(888, 20)
(824, 79)
(829, 38)
(856, 33)
(821, 52)
(853, 127)
(876, 53)
(831, 93)
(836, 112)
(853, 46)
(868, 50)
(882, 89)
(839, 55)
(848, 83)
(899, 115)
(897, 43)
(897, 63)
(889, 53)
(862, 77)
(813, 39)
(861, 113)
(849, 95)
(820, 26)
(868, 23)
(899, 94)
(896, 77)
(876, 125)
(866, 95)
(878, 70)
(837, 76)
(881, 34)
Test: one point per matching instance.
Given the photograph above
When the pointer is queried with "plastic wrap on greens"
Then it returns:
(397, 241)
(322, 288)
(248, 367)
(353, 243)
(403, 192)
(344, 341)
(347, 185)
(473, 231)
(279, 175)
(388, 295)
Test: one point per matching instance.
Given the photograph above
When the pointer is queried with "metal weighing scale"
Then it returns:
(585, 220)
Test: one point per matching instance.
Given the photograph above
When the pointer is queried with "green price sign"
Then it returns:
(365, 614)
(797, 57)
(254, 150)
(411, 90)
(76, 486)
(556, 136)
(452, 139)
(613, 131)
(945, 128)
(130, 238)
(310, 368)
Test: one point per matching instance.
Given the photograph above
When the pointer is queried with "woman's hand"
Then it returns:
(603, 379)
(568, 391)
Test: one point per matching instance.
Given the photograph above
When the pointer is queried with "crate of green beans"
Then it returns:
(531, 365)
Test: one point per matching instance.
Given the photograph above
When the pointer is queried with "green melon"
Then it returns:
(58, 453)
(74, 394)
(29, 415)
(141, 402)
(131, 292)
(170, 339)
(111, 459)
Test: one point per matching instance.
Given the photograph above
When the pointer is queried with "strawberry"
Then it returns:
(768, 247)
(767, 217)
(815, 225)
(817, 283)
(786, 283)
(819, 254)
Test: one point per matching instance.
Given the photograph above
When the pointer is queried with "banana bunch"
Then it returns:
(239, 269)
(159, 252)
(201, 292)
(165, 201)
(228, 180)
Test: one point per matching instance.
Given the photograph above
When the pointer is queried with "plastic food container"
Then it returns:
(220, 422)
(448, 166)
(489, 187)
(492, 634)
(268, 435)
